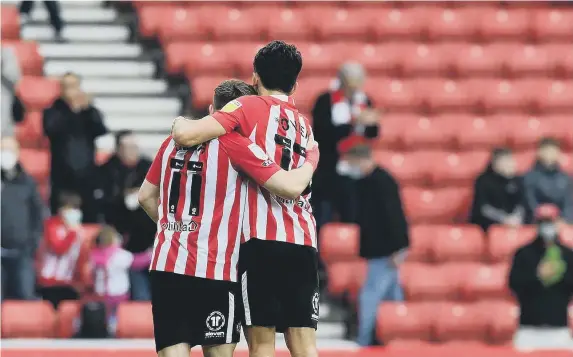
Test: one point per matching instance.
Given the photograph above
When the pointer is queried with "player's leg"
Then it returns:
(225, 350)
(178, 350)
(301, 341)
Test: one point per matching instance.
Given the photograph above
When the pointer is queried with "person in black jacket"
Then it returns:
(72, 124)
(541, 278)
(338, 113)
(377, 209)
(498, 193)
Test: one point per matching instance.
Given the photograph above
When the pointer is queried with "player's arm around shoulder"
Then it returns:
(187, 132)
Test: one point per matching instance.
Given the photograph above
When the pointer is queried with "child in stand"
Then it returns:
(111, 264)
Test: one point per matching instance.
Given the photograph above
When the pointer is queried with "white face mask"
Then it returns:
(72, 216)
(131, 202)
(8, 160)
(345, 169)
(548, 231)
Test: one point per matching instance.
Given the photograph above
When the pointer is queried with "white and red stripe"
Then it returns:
(59, 269)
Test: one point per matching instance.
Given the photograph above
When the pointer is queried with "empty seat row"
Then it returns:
(394, 58)
(439, 243)
(371, 21)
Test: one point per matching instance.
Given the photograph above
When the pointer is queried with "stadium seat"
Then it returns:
(232, 23)
(422, 239)
(527, 131)
(421, 59)
(29, 58)
(501, 23)
(525, 160)
(134, 320)
(458, 243)
(474, 59)
(452, 23)
(334, 22)
(423, 282)
(395, 127)
(529, 60)
(435, 206)
(393, 94)
(407, 168)
(28, 319)
(457, 321)
(377, 58)
(37, 93)
(502, 320)
(287, 23)
(29, 132)
(179, 24)
(67, 312)
(206, 58)
(396, 320)
(150, 19)
(320, 58)
(359, 270)
(426, 133)
(36, 163)
(551, 96)
(10, 22)
(553, 23)
(339, 242)
(395, 22)
(308, 90)
(444, 95)
(241, 55)
(504, 241)
(202, 90)
(561, 58)
(477, 132)
(345, 276)
(458, 169)
(483, 281)
(497, 95)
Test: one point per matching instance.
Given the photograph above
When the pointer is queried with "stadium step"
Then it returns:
(80, 33)
(131, 86)
(132, 105)
(103, 68)
(75, 14)
(83, 51)
(144, 124)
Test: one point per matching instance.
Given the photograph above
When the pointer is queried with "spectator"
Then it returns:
(72, 124)
(61, 259)
(383, 230)
(547, 183)
(338, 113)
(498, 193)
(22, 224)
(138, 233)
(111, 266)
(53, 8)
(541, 278)
(12, 109)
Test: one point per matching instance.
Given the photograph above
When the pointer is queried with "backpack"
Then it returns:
(93, 321)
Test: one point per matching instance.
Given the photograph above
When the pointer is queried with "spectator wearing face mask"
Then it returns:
(61, 257)
(138, 233)
(22, 224)
(498, 193)
(377, 208)
(111, 265)
(541, 278)
(72, 124)
(547, 183)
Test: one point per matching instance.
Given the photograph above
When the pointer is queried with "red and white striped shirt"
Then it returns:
(202, 202)
(274, 123)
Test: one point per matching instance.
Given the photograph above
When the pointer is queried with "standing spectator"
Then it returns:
(53, 8)
(541, 278)
(72, 124)
(338, 113)
(383, 230)
(12, 109)
(60, 256)
(498, 193)
(22, 224)
(547, 183)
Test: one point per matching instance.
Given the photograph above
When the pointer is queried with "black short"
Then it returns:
(193, 310)
(279, 283)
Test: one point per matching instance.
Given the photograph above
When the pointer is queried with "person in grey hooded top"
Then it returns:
(547, 183)
(22, 212)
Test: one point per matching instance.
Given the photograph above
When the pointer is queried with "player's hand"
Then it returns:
(311, 143)
(174, 124)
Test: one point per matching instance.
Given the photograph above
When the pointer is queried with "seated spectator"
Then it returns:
(60, 255)
(498, 193)
(12, 110)
(383, 230)
(338, 113)
(541, 278)
(547, 183)
(72, 124)
(22, 224)
(111, 265)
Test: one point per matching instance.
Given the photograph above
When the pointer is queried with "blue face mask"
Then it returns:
(346, 169)
(548, 231)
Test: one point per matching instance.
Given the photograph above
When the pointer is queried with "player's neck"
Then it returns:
(264, 91)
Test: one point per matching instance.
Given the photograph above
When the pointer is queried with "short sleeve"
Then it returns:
(248, 157)
(238, 113)
(154, 174)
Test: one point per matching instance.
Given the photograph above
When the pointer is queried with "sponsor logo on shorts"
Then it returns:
(215, 322)
(315, 306)
(180, 226)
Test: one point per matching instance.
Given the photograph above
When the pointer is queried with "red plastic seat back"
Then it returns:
(504, 241)
(134, 320)
(28, 319)
(339, 242)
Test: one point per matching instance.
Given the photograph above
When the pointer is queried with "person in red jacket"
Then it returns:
(61, 252)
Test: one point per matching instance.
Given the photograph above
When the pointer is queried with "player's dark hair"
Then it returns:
(69, 199)
(278, 65)
(120, 135)
(547, 141)
(229, 90)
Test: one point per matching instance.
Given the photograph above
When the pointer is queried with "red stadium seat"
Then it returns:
(396, 125)
(320, 58)
(483, 281)
(37, 93)
(30, 132)
(394, 22)
(232, 23)
(339, 242)
(202, 90)
(527, 131)
(566, 235)
(528, 60)
(207, 58)
(134, 320)
(502, 319)
(150, 19)
(180, 24)
(421, 59)
(458, 169)
(452, 23)
(241, 54)
(459, 243)
(67, 312)
(423, 282)
(90, 231)
(29, 58)
(308, 90)
(561, 58)
(435, 206)
(393, 94)
(553, 23)
(460, 322)
(359, 270)
(341, 23)
(551, 96)
(405, 321)
(475, 132)
(426, 133)
(498, 95)
(504, 241)
(28, 319)
(36, 163)
(407, 168)
(346, 277)
(376, 58)
(10, 22)
(524, 160)
(444, 95)
(287, 23)
(422, 239)
(477, 59)
(501, 23)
